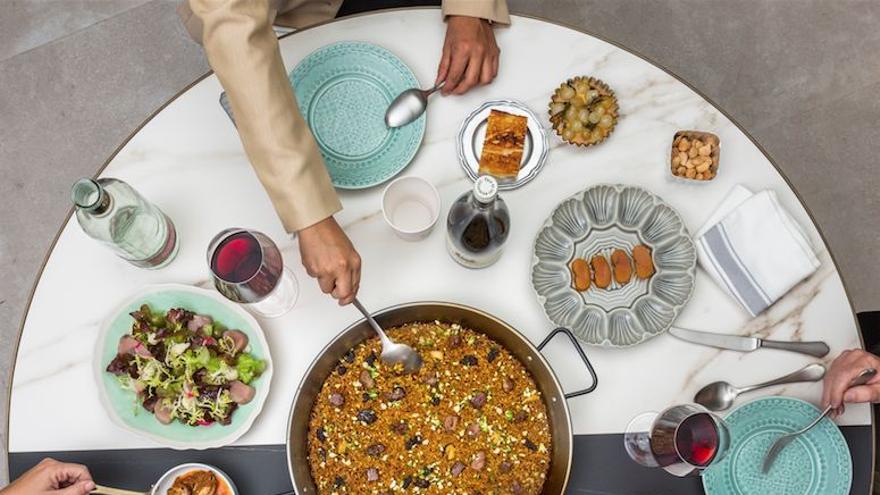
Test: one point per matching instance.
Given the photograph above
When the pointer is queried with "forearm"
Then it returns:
(243, 51)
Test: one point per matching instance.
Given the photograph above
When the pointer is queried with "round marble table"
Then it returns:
(188, 159)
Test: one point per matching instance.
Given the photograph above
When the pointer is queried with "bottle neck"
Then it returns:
(481, 205)
(88, 195)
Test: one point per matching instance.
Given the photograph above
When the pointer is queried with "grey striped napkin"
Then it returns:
(754, 250)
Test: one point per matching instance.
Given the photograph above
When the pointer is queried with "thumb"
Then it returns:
(443, 69)
(862, 393)
(82, 487)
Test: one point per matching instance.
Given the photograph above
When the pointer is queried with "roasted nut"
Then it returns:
(621, 266)
(684, 144)
(702, 167)
(601, 271)
(691, 173)
(580, 274)
(641, 256)
(705, 150)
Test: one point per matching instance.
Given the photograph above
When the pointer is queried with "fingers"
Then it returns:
(443, 69)
(71, 472)
(82, 487)
(862, 393)
(843, 370)
(457, 66)
(487, 72)
(472, 74)
(342, 291)
(327, 282)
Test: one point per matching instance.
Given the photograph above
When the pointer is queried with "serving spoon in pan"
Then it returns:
(392, 352)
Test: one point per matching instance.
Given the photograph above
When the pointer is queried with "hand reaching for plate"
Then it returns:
(51, 477)
(846, 366)
(470, 55)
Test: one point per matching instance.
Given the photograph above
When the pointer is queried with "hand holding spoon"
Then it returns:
(718, 396)
(392, 352)
(408, 106)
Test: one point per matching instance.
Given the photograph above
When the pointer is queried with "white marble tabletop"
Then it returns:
(189, 161)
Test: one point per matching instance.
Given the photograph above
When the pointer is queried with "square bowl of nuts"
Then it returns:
(695, 155)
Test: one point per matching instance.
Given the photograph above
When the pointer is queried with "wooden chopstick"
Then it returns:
(103, 490)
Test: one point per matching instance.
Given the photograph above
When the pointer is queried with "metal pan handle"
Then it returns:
(580, 352)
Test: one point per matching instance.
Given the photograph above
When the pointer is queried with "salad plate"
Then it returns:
(598, 221)
(343, 90)
(122, 404)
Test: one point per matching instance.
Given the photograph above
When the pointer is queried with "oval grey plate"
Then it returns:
(469, 143)
(597, 221)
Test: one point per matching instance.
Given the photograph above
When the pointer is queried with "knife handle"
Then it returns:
(817, 349)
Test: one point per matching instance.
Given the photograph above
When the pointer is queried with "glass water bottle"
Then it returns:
(112, 212)
(478, 225)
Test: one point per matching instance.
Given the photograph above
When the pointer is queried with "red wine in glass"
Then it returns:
(683, 439)
(237, 258)
(697, 439)
(247, 268)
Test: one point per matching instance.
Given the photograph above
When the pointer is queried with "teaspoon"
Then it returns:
(392, 352)
(718, 396)
(408, 106)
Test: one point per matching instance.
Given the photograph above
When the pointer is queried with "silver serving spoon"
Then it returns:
(392, 353)
(786, 439)
(408, 106)
(718, 396)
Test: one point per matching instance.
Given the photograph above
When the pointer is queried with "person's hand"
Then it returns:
(51, 477)
(328, 255)
(470, 55)
(844, 369)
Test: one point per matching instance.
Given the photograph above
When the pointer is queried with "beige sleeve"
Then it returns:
(491, 10)
(243, 51)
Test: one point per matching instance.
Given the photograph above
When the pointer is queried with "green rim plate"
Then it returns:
(815, 463)
(121, 405)
(343, 91)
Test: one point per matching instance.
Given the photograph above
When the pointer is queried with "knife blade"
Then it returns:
(747, 344)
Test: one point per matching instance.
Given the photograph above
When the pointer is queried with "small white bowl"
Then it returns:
(411, 206)
(164, 484)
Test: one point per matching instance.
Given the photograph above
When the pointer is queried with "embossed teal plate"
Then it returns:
(816, 463)
(343, 91)
(122, 405)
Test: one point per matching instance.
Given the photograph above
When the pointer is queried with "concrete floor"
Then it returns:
(77, 76)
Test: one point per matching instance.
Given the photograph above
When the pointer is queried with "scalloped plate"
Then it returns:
(343, 90)
(597, 221)
(121, 405)
(816, 463)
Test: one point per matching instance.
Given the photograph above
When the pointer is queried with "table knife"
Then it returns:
(748, 344)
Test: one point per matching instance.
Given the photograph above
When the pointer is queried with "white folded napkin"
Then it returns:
(754, 249)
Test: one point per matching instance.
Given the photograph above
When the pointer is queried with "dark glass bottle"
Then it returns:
(478, 225)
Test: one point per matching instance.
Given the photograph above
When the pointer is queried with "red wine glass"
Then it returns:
(683, 440)
(247, 268)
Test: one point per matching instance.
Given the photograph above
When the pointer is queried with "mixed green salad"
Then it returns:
(186, 366)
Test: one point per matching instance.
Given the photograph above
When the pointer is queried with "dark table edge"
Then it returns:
(600, 466)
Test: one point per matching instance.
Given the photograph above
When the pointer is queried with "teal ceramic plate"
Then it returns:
(121, 405)
(816, 463)
(343, 91)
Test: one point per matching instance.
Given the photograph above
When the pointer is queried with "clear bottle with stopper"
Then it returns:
(478, 225)
(112, 212)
